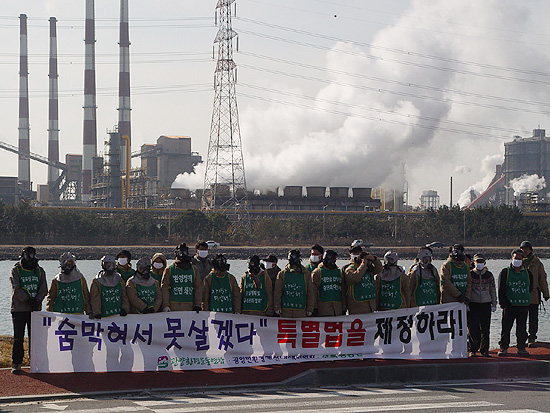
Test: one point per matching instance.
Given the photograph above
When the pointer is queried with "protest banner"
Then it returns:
(189, 340)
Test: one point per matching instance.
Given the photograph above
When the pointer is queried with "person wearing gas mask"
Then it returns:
(221, 292)
(123, 267)
(483, 301)
(158, 265)
(455, 277)
(271, 268)
(256, 290)
(108, 291)
(515, 284)
(361, 288)
(330, 290)
(294, 295)
(202, 261)
(315, 257)
(143, 290)
(69, 291)
(28, 289)
(393, 284)
(424, 283)
(540, 287)
(181, 283)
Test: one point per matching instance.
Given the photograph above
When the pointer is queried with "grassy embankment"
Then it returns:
(5, 351)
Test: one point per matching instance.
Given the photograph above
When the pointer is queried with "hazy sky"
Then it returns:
(330, 92)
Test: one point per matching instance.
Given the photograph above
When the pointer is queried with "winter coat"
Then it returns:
(95, 297)
(540, 280)
(332, 308)
(177, 306)
(503, 287)
(235, 292)
(353, 273)
(137, 305)
(279, 292)
(414, 273)
(449, 293)
(483, 287)
(268, 289)
(19, 296)
(202, 265)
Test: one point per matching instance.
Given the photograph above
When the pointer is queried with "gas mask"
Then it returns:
(329, 259)
(108, 264)
(254, 264)
(182, 253)
(28, 258)
(294, 258)
(457, 252)
(143, 266)
(219, 262)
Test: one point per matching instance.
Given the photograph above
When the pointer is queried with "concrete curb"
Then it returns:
(401, 374)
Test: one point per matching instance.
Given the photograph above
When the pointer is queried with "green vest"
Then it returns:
(111, 299)
(29, 280)
(70, 298)
(330, 289)
(365, 289)
(126, 275)
(221, 297)
(182, 284)
(310, 267)
(254, 299)
(517, 287)
(294, 291)
(147, 294)
(390, 294)
(459, 277)
(425, 292)
(157, 277)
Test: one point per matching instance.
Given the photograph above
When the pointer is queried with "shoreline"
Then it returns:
(95, 252)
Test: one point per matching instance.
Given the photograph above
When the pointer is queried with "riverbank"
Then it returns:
(95, 252)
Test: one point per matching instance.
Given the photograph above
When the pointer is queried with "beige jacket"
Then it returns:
(353, 272)
(137, 305)
(414, 274)
(279, 292)
(333, 308)
(95, 297)
(166, 286)
(449, 293)
(540, 280)
(19, 296)
(52, 295)
(268, 289)
(235, 293)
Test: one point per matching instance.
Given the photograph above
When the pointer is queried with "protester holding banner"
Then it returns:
(455, 278)
(221, 291)
(393, 284)
(143, 290)
(28, 289)
(330, 289)
(202, 261)
(158, 265)
(181, 283)
(271, 268)
(124, 267)
(68, 291)
(315, 257)
(256, 290)
(424, 283)
(294, 295)
(361, 289)
(483, 301)
(108, 291)
(515, 284)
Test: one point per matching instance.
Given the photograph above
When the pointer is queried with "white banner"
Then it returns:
(189, 341)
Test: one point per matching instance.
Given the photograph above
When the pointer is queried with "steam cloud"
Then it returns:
(527, 183)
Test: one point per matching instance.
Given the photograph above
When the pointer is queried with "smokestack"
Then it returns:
(53, 114)
(24, 165)
(90, 107)
(124, 124)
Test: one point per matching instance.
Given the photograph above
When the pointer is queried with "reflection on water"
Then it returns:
(238, 267)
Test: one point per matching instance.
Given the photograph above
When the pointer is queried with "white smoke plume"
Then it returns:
(488, 165)
(291, 145)
(462, 169)
(527, 183)
(191, 181)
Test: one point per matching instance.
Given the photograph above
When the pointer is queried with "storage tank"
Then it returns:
(292, 191)
(315, 191)
(361, 193)
(339, 192)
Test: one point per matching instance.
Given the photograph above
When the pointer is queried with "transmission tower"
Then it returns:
(224, 180)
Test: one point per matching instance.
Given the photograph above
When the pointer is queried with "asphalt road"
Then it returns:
(493, 397)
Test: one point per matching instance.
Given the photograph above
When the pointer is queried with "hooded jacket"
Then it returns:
(137, 305)
(415, 271)
(449, 293)
(166, 286)
(333, 308)
(202, 265)
(235, 292)
(257, 278)
(61, 277)
(353, 273)
(483, 287)
(540, 280)
(391, 273)
(158, 275)
(19, 296)
(102, 279)
(279, 292)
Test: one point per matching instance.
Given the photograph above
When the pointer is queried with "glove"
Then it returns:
(315, 312)
(197, 309)
(123, 312)
(166, 310)
(309, 313)
(98, 316)
(493, 308)
(148, 310)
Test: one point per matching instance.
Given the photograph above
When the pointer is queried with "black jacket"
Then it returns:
(502, 286)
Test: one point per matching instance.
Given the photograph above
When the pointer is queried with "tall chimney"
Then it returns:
(24, 165)
(53, 114)
(124, 123)
(90, 106)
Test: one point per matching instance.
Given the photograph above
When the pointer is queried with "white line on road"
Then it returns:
(301, 405)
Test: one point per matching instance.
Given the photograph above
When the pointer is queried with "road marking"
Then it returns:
(113, 409)
(54, 406)
(511, 411)
(229, 398)
(303, 405)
